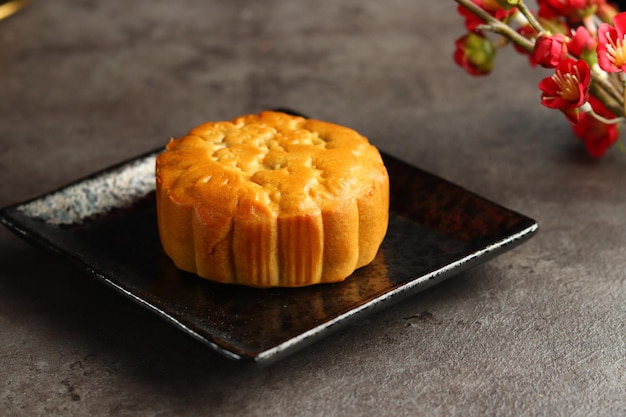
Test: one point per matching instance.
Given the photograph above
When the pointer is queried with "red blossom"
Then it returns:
(490, 6)
(549, 50)
(571, 10)
(545, 11)
(582, 43)
(598, 137)
(568, 88)
(611, 47)
(475, 53)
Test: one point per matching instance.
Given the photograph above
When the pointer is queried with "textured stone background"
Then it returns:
(538, 331)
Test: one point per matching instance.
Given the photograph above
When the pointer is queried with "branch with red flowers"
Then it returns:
(583, 41)
(496, 26)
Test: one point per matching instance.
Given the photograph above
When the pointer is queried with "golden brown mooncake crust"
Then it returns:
(271, 200)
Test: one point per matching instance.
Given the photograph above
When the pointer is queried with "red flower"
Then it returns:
(550, 50)
(545, 11)
(475, 53)
(571, 10)
(582, 43)
(611, 48)
(490, 6)
(597, 136)
(568, 88)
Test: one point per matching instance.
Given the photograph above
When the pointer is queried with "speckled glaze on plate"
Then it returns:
(106, 224)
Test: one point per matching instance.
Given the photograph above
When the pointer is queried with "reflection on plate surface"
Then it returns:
(107, 225)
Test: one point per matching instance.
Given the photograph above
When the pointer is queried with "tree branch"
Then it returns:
(494, 25)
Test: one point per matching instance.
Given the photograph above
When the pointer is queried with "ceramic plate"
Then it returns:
(106, 224)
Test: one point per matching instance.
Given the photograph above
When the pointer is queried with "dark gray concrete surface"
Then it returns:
(538, 331)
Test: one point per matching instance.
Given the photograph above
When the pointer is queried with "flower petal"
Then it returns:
(619, 21)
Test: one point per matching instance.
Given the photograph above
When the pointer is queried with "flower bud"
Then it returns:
(550, 50)
(475, 53)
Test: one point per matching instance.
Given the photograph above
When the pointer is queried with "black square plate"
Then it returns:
(106, 224)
